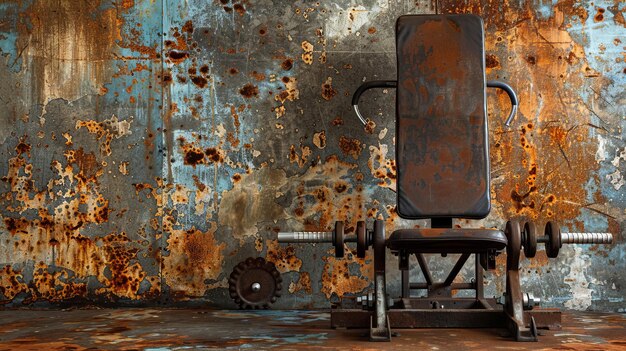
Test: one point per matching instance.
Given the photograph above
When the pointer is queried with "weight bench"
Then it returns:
(442, 159)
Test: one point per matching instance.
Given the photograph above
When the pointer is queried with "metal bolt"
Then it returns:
(255, 287)
(530, 301)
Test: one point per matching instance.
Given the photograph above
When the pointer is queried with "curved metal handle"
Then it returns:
(512, 96)
(366, 86)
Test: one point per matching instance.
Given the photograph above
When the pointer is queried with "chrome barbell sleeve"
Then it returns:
(305, 237)
(586, 238)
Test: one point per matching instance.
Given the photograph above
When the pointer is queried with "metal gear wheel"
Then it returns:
(255, 283)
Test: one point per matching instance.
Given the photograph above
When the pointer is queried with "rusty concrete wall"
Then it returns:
(149, 146)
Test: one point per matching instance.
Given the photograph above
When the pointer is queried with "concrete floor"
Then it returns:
(193, 329)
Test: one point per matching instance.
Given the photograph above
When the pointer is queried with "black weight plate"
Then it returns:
(530, 239)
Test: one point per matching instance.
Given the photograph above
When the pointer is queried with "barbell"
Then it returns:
(554, 239)
(337, 237)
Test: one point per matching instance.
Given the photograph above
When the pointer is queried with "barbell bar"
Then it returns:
(336, 237)
(554, 239)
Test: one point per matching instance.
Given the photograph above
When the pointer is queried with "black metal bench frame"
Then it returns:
(458, 39)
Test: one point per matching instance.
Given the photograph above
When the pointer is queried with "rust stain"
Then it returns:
(249, 91)
(492, 61)
(287, 64)
(350, 146)
(177, 57)
(307, 55)
(553, 185)
(195, 155)
(259, 77)
(319, 139)
(11, 284)
(23, 148)
(618, 16)
(301, 158)
(64, 40)
(599, 16)
(370, 127)
(290, 93)
(54, 286)
(188, 27)
(329, 204)
(194, 256)
(106, 131)
(258, 244)
(303, 284)
(126, 276)
(328, 92)
(382, 167)
(284, 257)
(240, 9)
(199, 81)
(336, 277)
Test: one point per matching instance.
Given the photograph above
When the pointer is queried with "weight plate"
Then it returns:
(553, 232)
(338, 239)
(529, 238)
(361, 239)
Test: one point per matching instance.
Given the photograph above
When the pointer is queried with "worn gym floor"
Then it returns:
(193, 329)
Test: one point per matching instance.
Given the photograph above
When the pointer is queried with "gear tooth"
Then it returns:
(279, 279)
(278, 294)
(279, 287)
(249, 260)
(273, 299)
(260, 260)
(266, 306)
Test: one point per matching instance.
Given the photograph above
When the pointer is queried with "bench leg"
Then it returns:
(380, 329)
(514, 307)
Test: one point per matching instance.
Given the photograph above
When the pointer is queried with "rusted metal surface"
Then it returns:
(442, 152)
(149, 146)
(175, 329)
